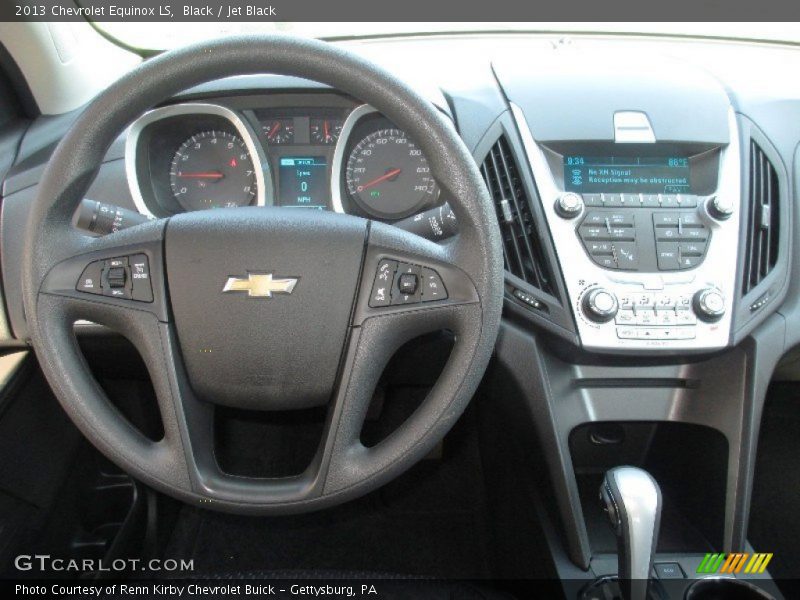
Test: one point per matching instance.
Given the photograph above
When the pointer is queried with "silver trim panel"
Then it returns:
(337, 166)
(718, 270)
(135, 130)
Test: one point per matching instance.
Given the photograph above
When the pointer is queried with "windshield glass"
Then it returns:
(163, 36)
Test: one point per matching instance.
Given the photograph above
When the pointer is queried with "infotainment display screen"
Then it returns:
(638, 174)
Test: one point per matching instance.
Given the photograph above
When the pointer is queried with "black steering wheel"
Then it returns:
(261, 308)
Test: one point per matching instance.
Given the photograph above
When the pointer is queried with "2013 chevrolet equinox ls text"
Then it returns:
(474, 314)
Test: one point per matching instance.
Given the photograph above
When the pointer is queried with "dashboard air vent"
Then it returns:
(762, 229)
(524, 256)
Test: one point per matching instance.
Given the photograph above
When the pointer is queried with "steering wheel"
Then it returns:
(261, 308)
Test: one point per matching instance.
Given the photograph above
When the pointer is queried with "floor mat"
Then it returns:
(429, 522)
(774, 526)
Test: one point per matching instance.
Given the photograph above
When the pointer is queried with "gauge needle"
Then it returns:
(327, 130)
(377, 180)
(274, 129)
(209, 175)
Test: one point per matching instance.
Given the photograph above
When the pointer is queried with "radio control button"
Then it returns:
(612, 200)
(667, 234)
(650, 201)
(627, 255)
(709, 304)
(593, 199)
(627, 333)
(687, 200)
(666, 219)
(669, 201)
(690, 219)
(596, 248)
(685, 317)
(721, 208)
(693, 249)
(569, 205)
(605, 261)
(690, 262)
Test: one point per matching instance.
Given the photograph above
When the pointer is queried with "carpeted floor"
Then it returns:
(774, 522)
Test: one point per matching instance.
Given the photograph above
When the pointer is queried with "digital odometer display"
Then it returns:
(615, 174)
(303, 182)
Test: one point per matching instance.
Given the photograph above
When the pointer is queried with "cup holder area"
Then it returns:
(723, 588)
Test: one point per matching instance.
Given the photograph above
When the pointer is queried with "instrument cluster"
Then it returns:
(339, 157)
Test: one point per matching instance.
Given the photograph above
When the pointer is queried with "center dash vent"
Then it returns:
(761, 250)
(524, 255)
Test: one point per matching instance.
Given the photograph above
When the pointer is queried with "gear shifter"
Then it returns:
(632, 499)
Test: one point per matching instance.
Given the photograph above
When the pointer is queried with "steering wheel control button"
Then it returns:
(709, 305)
(405, 283)
(408, 283)
(140, 278)
(569, 205)
(600, 305)
(401, 293)
(432, 286)
(90, 281)
(116, 277)
(125, 277)
(382, 287)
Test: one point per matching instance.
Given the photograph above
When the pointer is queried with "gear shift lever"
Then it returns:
(632, 499)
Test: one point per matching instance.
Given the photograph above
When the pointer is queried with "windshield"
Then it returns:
(163, 36)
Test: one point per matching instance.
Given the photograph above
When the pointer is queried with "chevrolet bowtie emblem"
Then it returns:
(258, 285)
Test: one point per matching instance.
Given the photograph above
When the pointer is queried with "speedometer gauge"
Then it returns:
(388, 176)
(213, 169)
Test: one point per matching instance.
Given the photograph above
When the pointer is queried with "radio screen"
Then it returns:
(303, 182)
(615, 174)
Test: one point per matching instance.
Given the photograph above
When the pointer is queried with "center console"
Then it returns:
(645, 232)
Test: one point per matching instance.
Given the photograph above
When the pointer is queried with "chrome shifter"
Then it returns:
(632, 499)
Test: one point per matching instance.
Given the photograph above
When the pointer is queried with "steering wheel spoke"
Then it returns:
(108, 280)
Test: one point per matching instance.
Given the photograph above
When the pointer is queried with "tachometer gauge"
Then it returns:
(388, 176)
(213, 169)
(279, 131)
(325, 131)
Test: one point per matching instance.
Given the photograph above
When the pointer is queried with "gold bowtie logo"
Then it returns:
(259, 285)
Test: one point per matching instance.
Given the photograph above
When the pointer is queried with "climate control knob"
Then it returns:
(709, 304)
(600, 305)
(569, 205)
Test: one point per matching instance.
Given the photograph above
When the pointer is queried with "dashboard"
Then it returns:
(312, 152)
(642, 210)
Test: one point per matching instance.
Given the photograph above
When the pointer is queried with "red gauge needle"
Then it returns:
(209, 175)
(274, 129)
(327, 130)
(377, 180)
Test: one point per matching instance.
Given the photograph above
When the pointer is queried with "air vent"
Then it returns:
(763, 222)
(524, 256)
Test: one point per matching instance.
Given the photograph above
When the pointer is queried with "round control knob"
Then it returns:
(720, 208)
(569, 205)
(600, 305)
(709, 304)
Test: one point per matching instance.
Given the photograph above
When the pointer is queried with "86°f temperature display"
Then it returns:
(644, 175)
